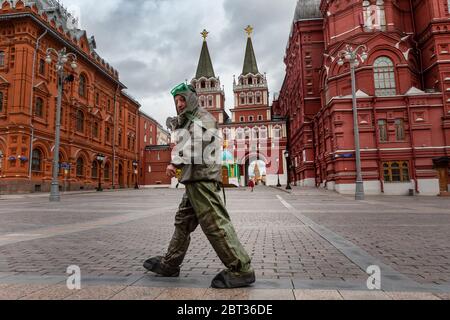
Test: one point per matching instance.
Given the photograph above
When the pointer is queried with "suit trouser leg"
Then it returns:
(185, 223)
(215, 221)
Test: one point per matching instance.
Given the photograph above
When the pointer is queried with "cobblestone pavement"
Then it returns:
(307, 243)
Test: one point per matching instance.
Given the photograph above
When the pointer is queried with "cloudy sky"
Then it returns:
(155, 44)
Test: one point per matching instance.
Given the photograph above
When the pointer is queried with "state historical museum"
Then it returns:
(403, 95)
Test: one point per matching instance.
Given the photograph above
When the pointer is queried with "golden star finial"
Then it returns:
(204, 34)
(249, 30)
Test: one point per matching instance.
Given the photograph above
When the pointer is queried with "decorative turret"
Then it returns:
(250, 64)
(211, 95)
(250, 89)
(250, 75)
(205, 67)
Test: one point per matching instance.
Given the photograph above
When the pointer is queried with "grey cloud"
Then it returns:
(155, 44)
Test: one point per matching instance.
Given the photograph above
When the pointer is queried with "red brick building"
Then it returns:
(403, 92)
(152, 143)
(155, 161)
(98, 117)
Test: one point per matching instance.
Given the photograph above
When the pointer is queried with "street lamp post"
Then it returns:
(278, 167)
(135, 166)
(100, 160)
(288, 170)
(354, 57)
(62, 58)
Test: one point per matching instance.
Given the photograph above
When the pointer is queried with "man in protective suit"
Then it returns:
(201, 204)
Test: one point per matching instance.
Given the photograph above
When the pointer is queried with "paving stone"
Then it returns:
(443, 296)
(17, 291)
(413, 296)
(111, 234)
(95, 293)
(317, 295)
(138, 293)
(55, 292)
(270, 294)
(364, 295)
(182, 294)
(233, 294)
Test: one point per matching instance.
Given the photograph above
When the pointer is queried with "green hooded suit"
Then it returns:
(202, 204)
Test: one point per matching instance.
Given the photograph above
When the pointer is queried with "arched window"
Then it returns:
(106, 173)
(2, 59)
(258, 97)
(1, 101)
(255, 133)
(42, 67)
(80, 167)
(240, 134)
(400, 129)
(226, 133)
(95, 169)
(82, 86)
(39, 108)
(277, 132)
(202, 101)
(247, 132)
(384, 76)
(263, 132)
(374, 14)
(36, 160)
(96, 130)
(383, 129)
(242, 96)
(80, 121)
(396, 171)
(210, 101)
(250, 98)
(203, 85)
(107, 135)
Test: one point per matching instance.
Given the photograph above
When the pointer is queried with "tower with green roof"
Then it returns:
(251, 93)
(211, 94)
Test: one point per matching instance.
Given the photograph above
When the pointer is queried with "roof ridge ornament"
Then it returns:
(204, 34)
(249, 30)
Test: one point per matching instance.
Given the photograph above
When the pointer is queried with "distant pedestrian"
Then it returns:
(251, 185)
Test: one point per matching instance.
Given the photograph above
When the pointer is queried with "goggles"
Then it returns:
(182, 87)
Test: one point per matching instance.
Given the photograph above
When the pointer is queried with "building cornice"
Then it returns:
(55, 34)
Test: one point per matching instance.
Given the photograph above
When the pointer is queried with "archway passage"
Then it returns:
(257, 171)
(252, 161)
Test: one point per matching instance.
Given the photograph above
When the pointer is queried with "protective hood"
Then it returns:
(192, 107)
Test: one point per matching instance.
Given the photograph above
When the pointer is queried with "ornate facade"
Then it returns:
(403, 94)
(98, 117)
(253, 138)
